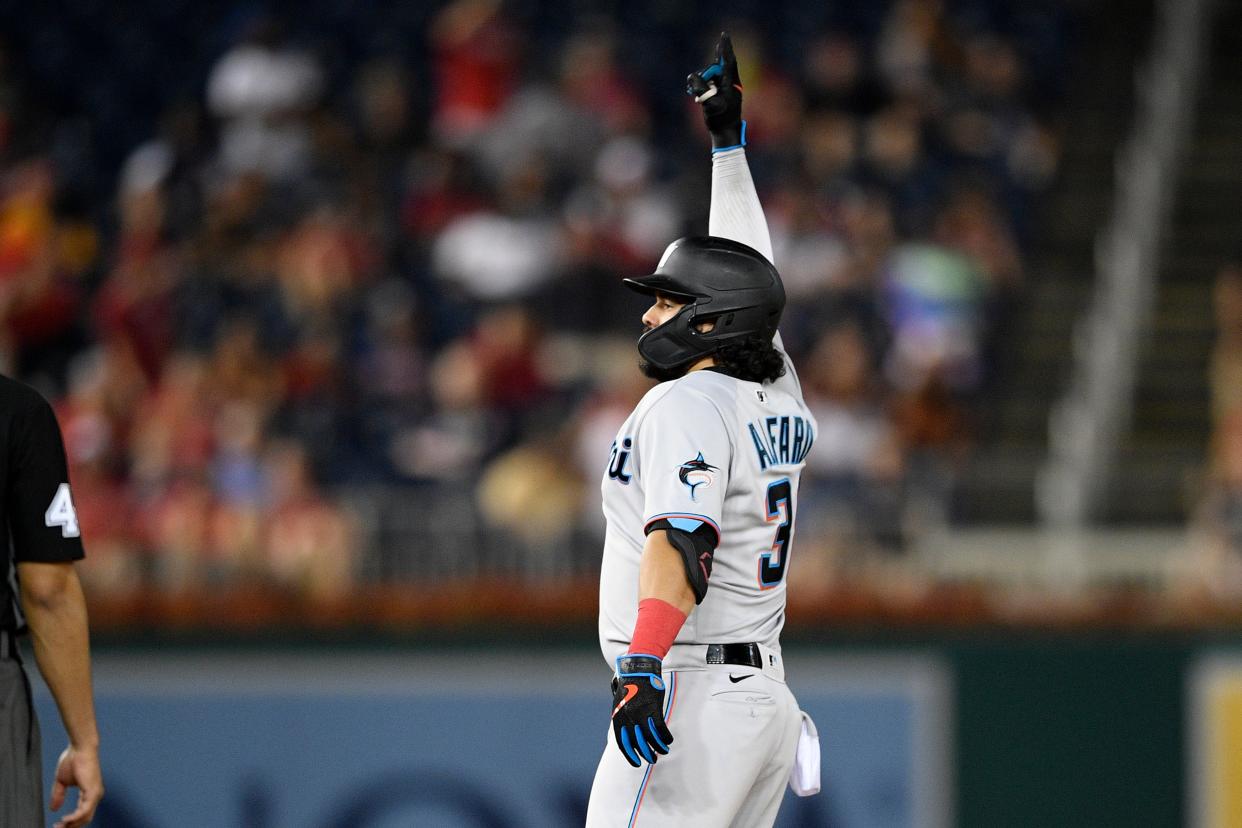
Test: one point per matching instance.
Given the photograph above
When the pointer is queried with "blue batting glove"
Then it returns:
(718, 90)
(638, 709)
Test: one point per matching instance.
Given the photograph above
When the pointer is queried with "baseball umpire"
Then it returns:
(699, 498)
(44, 542)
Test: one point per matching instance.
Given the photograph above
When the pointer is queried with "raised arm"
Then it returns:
(735, 211)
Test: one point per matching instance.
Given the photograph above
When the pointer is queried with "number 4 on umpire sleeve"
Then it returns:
(61, 513)
(780, 506)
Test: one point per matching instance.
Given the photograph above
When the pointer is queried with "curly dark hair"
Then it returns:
(752, 358)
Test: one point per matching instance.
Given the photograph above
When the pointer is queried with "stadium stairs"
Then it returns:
(1159, 472)
(1034, 358)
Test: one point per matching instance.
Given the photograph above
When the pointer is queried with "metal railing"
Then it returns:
(1087, 424)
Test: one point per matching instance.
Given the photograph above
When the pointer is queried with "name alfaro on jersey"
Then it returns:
(781, 441)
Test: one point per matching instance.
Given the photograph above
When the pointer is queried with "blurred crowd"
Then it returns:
(344, 314)
(1218, 519)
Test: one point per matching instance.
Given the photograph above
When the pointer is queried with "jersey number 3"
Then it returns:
(780, 506)
(61, 513)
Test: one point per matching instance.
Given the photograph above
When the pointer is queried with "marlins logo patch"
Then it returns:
(695, 473)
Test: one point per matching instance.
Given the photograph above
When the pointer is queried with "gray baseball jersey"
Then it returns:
(710, 449)
(707, 448)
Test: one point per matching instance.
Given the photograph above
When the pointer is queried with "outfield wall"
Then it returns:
(1002, 728)
(486, 739)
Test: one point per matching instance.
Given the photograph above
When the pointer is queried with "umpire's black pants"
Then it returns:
(21, 762)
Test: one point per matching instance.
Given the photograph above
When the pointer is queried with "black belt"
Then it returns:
(745, 655)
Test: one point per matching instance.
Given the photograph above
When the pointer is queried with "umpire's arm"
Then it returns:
(56, 616)
(46, 541)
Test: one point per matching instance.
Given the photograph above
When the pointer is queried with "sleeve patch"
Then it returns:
(696, 474)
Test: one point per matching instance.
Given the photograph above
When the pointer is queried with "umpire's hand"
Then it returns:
(80, 768)
(718, 89)
(638, 709)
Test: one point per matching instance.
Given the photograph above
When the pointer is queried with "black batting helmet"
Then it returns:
(720, 280)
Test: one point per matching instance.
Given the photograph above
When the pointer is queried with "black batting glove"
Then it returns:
(718, 89)
(638, 709)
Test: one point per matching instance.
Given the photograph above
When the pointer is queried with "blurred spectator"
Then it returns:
(621, 208)
(971, 224)
(506, 346)
(388, 121)
(895, 164)
(836, 76)
(505, 254)
(262, 90)
(104, 386)
(852, 490)
(177, 438)
(773, 103)
(1219, 516)
(829, 145)
(527, 494)
(42, 260)
(135, 303)
(476, 61)
(320, 264)
(808, 242)
(931, 429)
(593, 82)
(309, 543)
(935, 301)
(911, 43)
(561, 124)
(386, 254)
(599, 417)
(178, 523)
(393, 364)
(385, 117)
(1225, 371)
(448, 444)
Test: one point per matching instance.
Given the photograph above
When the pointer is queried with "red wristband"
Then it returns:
(656, 628)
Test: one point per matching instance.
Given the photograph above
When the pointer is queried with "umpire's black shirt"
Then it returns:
(40, 523)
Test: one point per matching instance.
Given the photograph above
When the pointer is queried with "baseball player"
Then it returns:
(43, 540)
(700, 497)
